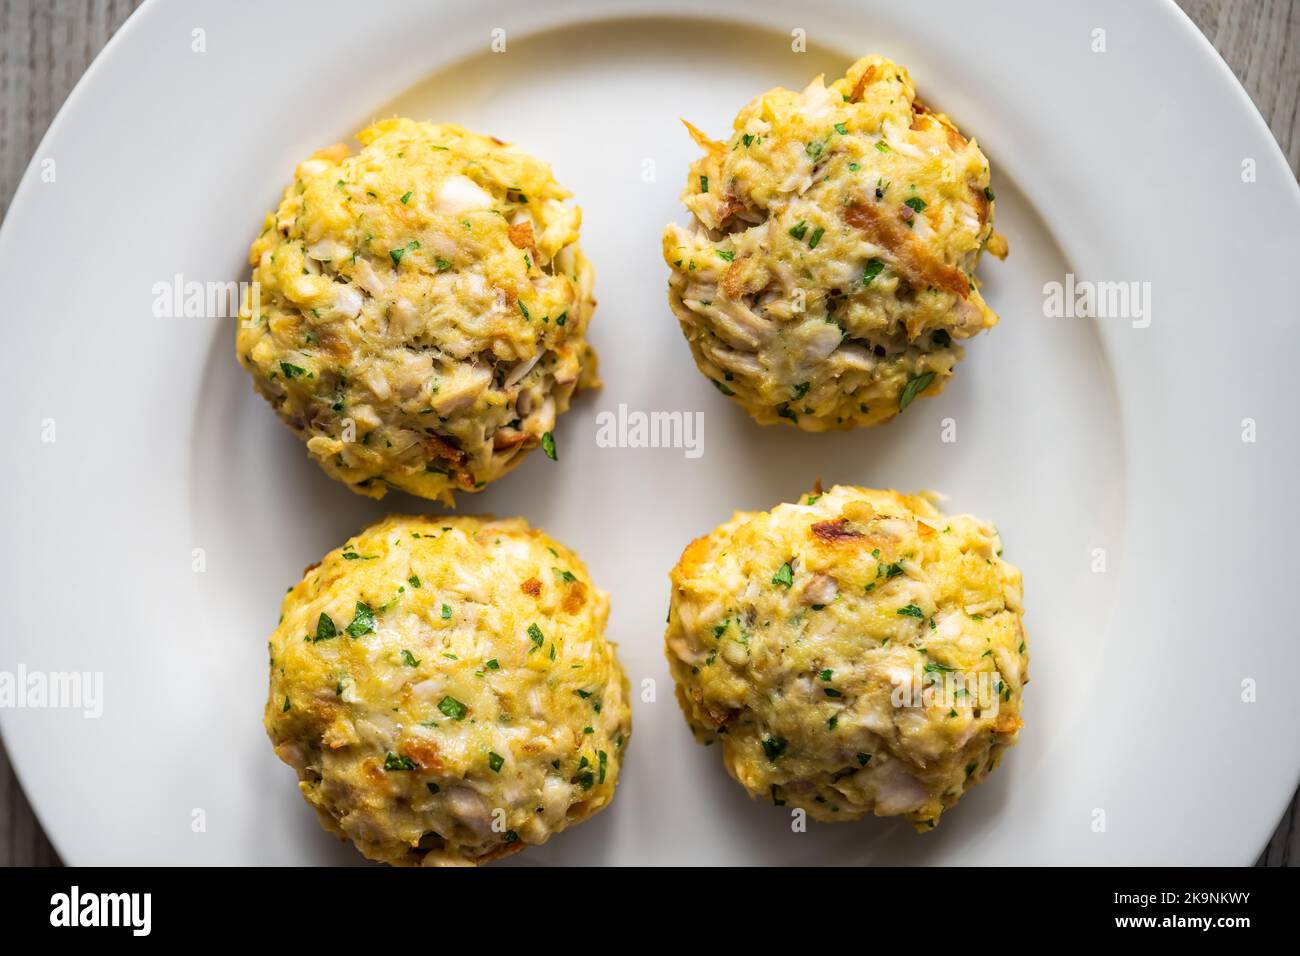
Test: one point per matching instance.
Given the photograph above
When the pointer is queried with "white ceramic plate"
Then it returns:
(1073, 434)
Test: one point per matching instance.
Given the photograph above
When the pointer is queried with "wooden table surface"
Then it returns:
(45, 46)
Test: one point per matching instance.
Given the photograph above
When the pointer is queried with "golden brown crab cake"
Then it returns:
(854, 652)
(421, 309)
(444, 689)
(829, 272)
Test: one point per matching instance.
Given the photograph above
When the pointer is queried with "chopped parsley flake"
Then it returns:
(914, 387)
(773, 747)
(394, 762)
(396, 254)
(548, 446)
(874, 267)
(453, 708)
(325, 628)
(363, 621)
(784, 576)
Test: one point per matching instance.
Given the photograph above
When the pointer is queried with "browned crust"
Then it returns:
(574, 598)
(440, 448)
(833, 532)
(521, 237)
(502, 440)
(532, 587)
(907, 257)
(743, 277)
(498, 852)
(423, 751)
(981, 202)
(711, 146)
(868, 75)
(1008, 723)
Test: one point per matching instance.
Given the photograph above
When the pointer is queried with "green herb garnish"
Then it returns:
(394, 762)
(913, 388)
(363, 621)
(325, 628)
(773, 747)
(874, 267)
(453, 708)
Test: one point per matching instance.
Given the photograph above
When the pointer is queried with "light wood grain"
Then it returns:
(46, 45)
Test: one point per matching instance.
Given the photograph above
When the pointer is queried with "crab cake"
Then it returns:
(421, 309)
(444, 689)
(829, 272)
(855, 652)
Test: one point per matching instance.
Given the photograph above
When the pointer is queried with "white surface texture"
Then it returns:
(1072, 434)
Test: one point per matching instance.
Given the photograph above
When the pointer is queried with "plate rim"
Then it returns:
(142, 18)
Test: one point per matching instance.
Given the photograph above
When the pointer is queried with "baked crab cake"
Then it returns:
(829, 273)
(445, 692)
(421, 309)
(854, 652)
